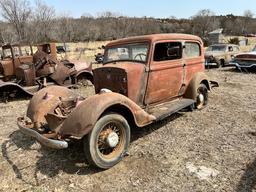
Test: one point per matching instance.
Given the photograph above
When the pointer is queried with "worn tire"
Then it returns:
(99, 136)
(218, 63)
(222, 62)
(202, 96)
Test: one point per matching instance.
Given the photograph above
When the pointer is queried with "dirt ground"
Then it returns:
(209, 150)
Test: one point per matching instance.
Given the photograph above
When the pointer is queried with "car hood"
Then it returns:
(214, 53)
(121, 77)
(126, 66)
(80, 65)
(250, 54)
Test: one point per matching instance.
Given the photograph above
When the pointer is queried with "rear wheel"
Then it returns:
(222, 62)
(108, 142)
(202, 96)
(218, 63)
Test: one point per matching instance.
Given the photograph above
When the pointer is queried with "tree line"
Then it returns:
(21, 22)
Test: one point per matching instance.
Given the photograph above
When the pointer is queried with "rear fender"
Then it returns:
(10, 87)
(81, 121)
(198, 78)
(84, 73)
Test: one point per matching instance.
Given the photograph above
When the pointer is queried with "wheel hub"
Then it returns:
(112, 139)
(201, 98)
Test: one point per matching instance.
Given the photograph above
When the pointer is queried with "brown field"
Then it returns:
(209, 150)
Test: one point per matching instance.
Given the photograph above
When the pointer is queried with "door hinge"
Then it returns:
(147, 69)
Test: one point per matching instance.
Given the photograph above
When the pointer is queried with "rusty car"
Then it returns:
(220, 54)
(245, 61)
(144, 79)
(23, 72)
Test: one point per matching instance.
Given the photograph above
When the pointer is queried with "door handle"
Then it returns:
(184, 65)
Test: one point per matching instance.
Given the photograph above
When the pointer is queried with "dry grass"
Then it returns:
(90, 49)
(220, 137)
(251, 42)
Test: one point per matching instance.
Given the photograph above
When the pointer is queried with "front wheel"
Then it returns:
(202, 96)
(108, 142)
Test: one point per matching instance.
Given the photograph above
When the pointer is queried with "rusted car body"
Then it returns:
(25, 72)
(220, 54)
(12, 57)
(143, 80)
(245, 61)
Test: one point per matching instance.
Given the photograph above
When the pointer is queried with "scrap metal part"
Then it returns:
(26, 129)
(11, 89)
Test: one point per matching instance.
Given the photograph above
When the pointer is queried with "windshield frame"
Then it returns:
(5, 51)
(122, 45)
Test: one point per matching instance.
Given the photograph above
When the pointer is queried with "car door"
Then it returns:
(236, 51)
(231, 53)
(165, 76)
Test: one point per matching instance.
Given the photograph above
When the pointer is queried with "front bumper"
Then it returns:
(210, 63)
(249, 66)
(27, 129)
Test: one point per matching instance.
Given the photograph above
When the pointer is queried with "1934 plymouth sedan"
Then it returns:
(143, 79)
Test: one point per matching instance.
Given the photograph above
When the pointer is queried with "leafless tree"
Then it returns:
(247, 21)
(43, 19)
(7, 34)
(203, 22)
(16, 12)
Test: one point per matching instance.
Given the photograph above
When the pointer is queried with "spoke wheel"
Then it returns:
(111, 140)
(108, 142)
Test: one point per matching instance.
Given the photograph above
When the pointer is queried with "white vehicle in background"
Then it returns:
(220, 54)
(245, 61)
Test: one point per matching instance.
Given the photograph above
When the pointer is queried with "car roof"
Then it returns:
(156, 37)
(226, 44)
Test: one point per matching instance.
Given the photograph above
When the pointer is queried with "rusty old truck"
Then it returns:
(143, 80)
(23, 72)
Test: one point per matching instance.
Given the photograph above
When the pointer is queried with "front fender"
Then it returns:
(9, 87)
(81, 121)
(191, 91)
(45, 101)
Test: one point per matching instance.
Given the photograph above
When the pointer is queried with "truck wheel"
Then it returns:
(222, 62)
(108, 142)
(202, 96)
(218, 63)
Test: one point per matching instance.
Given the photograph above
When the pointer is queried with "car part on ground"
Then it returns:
(131, 92)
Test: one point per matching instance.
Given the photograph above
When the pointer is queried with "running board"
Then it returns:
(166, 109)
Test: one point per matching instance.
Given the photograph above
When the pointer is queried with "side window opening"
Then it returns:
(192, 50)
(167, 51)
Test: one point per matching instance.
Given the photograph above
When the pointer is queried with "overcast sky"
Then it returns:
(154, 8)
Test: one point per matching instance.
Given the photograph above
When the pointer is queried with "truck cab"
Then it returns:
(13, 56)
(151, 69)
